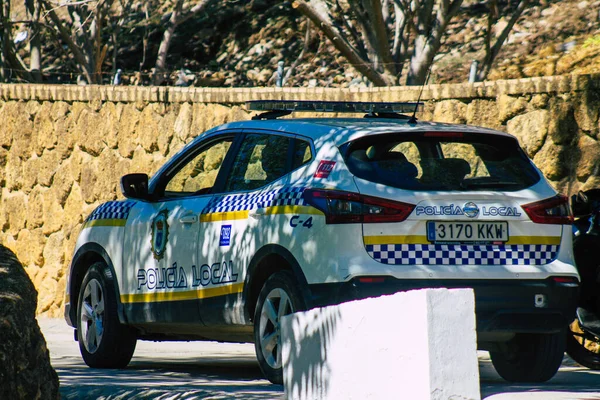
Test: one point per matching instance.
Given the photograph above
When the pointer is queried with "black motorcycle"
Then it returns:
(583, 337)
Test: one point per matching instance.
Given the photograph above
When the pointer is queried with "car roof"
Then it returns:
(342, 130)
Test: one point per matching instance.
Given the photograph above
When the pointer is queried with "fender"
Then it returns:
(83, 256)
(252, 273)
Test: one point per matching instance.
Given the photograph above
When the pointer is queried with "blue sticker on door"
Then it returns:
(225, 235)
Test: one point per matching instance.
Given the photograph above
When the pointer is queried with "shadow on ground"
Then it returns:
(168, 379)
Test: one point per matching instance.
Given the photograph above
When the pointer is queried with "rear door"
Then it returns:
(241, 220)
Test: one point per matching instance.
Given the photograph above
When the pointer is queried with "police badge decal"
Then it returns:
(160, 234)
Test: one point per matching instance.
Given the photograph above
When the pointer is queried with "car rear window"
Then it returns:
(441, 161)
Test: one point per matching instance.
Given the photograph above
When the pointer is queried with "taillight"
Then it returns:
(346, 208)
(554, 210)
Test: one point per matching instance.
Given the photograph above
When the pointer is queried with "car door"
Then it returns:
(162, 236)
(234, 225)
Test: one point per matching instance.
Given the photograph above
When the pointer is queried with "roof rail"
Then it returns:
(277, 108)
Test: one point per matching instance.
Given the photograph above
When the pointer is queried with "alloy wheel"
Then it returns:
(92, 315)
(276, 305)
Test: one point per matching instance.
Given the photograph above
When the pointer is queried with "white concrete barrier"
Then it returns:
(414, 345)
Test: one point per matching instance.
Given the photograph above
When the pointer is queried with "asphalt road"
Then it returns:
(209, 370)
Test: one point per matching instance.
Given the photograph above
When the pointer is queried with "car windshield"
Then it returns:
(441, 161)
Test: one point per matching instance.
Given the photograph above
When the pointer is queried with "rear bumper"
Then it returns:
(501, 306)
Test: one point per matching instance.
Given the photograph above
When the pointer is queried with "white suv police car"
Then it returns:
(256, 219)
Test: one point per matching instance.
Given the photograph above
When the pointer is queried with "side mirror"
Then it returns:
(135, 186)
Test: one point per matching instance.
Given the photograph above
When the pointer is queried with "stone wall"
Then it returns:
(64, 148)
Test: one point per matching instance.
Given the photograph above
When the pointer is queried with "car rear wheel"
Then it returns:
(278, 297)
(103, 341)
(530, 357)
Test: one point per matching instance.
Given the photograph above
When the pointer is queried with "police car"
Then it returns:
(257, 219)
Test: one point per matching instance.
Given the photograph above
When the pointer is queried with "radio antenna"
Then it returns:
(413, 118)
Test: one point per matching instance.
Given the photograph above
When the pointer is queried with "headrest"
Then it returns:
(377, 153)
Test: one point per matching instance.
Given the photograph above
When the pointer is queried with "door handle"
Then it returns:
(258, 212)
(189, 219)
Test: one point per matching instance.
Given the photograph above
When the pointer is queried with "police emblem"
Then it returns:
(471, 210)
(160, 234)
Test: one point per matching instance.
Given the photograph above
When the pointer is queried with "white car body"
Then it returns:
(191, 266)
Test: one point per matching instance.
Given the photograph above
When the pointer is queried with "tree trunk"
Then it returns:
(3, 33)
(163, 50)
(382, 41)
(359, 45)
(429, 38)
(419, 62)
(145, 38)
(290, 70)
(341, 44)
(35, 46)
(178, 16)
(6, 41)
(116, 30)
(83, 37)
(492, 53)
(66, 36)
(13, 65)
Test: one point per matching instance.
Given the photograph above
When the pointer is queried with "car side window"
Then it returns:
(199, 174)
(302, 153)
(260, 160)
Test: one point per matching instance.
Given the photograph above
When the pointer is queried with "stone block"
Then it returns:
(509, 106)
(13, 217)
(450, 111)
(44, 134)
(562, 128)
(91, 128)
(53, 213)
(554, 160)
(483, 113)
(531, 129)
(589, 161)
(587, 110)
(414, 345)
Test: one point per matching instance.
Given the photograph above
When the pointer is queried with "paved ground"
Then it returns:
(196, 370)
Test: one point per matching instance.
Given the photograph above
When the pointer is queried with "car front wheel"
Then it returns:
(278, 297)
(530, 357)
(103, 341)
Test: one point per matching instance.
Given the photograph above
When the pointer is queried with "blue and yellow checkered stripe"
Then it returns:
(462, 254)
(286, 196)
(112, 213)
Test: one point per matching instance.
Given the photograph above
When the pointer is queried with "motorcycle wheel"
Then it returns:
(583, 348)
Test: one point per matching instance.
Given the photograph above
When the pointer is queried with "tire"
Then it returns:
(530, 357)
(581, 351)
(279, 296)
(103, 341)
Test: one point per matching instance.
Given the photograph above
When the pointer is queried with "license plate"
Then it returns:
(467, 232)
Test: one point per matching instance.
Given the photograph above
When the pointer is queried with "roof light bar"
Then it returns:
(333, 106)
